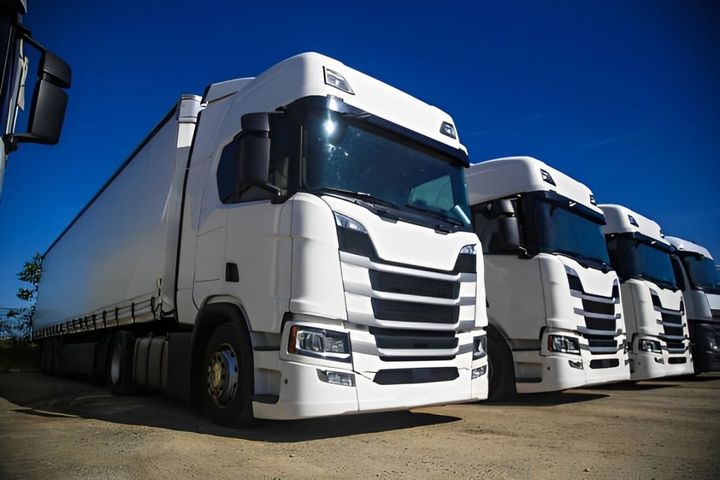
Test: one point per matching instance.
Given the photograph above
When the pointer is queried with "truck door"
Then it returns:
(257, 243)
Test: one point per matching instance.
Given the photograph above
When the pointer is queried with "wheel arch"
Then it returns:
(214, 312)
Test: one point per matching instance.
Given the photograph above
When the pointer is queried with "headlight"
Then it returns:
(347, 222)
(712, 343)
(647, 345)
(468, 250)
(319, 343)
(353, 236)
(562, 344)
(479, 347)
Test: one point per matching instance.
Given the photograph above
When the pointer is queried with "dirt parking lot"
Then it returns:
(58, 428)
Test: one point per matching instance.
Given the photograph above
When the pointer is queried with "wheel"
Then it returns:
(119, 374)
(54, 351)
(226, 377)
(46, 356)
(501, 369)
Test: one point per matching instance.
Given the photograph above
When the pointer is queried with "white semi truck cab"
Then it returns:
(553, 300)
(654, 311)
(293, 245)
(699, 280)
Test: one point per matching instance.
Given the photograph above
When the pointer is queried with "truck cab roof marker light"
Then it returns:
(547, 177)
(448, 130)
(336, 80)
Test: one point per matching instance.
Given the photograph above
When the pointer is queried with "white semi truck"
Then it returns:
(659, 342)
(553, 301)
(699, 280)
(49, 101)
(292, 245)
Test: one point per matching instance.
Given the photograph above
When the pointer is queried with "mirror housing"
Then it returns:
(507, 238)
(254, 151)
(49, 102)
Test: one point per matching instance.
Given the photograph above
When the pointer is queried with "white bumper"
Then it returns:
(304, 395)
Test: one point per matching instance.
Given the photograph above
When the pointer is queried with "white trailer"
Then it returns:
(49, 101)
(654, 311)
(553, 301)
(699, 279)
(287, 246)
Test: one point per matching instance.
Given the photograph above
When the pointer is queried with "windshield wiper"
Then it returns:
(605, 267)
(367, 197)
(435, 214)
(662, 283)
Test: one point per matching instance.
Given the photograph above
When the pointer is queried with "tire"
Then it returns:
(501, 368)
(55, 349)
(226, 377)
(45, 356)
(119, 372)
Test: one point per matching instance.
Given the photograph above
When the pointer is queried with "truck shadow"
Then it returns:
(548, 399)
(45, 396)
(636, 386)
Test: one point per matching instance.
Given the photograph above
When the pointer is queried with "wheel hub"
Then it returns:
(222, 375)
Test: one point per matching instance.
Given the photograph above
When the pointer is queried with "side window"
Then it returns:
(497, 227)
(227, 172)
(230, 165)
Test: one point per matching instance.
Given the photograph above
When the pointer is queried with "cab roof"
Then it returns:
(503, 177)
(688, 246)
(620, 219)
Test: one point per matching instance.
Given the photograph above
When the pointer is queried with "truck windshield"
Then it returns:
(702, 273)
(634, 258)
(347, 156)
(562, 230)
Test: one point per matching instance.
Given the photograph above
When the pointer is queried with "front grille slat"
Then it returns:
(398, 311)
(429, 344)
(415, 375)
(606, 363)
(598, 307)
(600, 327)
(411, 285)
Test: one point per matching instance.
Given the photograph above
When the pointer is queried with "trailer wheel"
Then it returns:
(501, 370)
(226, 377)
(119, 373)
(46, 356)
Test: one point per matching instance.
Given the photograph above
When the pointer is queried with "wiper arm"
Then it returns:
(368, 197)
(576, 255)
(435, 214)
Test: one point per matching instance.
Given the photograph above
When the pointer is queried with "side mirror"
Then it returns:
(49, 102)
(254, 155)
(507, 237)
(254, 149)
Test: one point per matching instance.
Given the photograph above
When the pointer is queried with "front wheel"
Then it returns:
(226, 378)
(501, 369)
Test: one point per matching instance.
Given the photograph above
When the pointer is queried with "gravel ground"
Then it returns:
(57, 428)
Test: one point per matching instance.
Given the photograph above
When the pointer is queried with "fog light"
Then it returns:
(479, 372)
(336, 378)
(578, 365)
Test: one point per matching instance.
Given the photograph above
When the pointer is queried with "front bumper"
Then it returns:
(558, 374)
(649, 365)
(706, 339)
(300, 391)
(304, 395)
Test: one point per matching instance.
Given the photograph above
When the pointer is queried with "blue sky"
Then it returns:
(621, 95)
